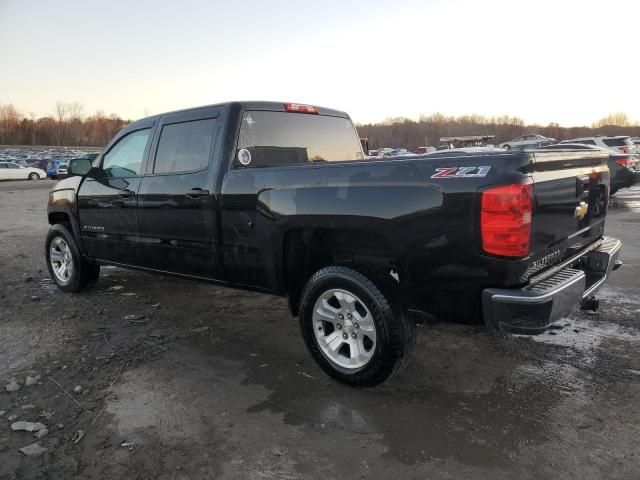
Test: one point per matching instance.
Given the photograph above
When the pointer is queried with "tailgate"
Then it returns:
(571, 191)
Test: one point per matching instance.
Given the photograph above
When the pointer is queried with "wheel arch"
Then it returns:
(62, 208)
(307, 250)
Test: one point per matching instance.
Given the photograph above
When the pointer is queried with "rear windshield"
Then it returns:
(617, 142)
(270, 139)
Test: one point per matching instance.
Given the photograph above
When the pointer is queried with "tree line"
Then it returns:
(428, 129)
(69, 126)
(66, 126)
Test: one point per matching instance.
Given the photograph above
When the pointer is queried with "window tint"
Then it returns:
(281, 138)
(13, 165)
(125, 157)
(3, 165)
(185, 147)
(617, 142)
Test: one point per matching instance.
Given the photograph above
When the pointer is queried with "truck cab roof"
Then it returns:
(242, 105)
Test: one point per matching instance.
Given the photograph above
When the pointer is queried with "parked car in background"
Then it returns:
(53, 168)
(383, 152)
(527, 141)
(619, 143)
(636, 143)
(13, 171)
(399, 152)
(622, 166)
(466, 141)
(424, 150)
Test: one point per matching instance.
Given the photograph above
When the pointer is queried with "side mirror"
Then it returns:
(79, 167)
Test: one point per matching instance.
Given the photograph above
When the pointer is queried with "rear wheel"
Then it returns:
(354, 325)
(69, 270)
(507, 147)
(34, 176)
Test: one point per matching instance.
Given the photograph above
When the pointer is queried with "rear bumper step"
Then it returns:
(532, 309)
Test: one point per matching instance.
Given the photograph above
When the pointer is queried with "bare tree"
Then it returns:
(618, 119)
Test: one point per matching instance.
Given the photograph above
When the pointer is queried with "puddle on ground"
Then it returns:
(415, 417)
(626, 199)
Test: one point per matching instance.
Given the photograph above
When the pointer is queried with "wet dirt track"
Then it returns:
(207, 382)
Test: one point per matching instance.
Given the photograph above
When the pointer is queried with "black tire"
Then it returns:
(507, 147)
(84, 273)
(34, 176)
(395, 332)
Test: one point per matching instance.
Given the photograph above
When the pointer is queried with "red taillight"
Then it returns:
(505, 220)
(300, 108)
(625, 162)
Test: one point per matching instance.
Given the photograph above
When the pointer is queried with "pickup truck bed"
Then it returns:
(279, 198)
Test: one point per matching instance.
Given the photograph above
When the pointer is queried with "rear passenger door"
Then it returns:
(176, 201)
(271, 148)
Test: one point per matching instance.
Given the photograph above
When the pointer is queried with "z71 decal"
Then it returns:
(461, 172)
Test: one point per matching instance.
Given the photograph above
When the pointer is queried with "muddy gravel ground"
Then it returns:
(147, 376)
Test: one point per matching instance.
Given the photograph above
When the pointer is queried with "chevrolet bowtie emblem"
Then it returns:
(581, 210)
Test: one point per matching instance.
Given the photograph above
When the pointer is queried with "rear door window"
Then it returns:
(270, 139)
(185, 147)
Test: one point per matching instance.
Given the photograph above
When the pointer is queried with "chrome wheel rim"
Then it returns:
(61, 260)
(344, 329)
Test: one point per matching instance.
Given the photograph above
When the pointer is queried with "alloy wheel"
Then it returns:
(344, 329)
(61, 259)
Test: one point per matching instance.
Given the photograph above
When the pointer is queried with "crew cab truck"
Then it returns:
(279, 198)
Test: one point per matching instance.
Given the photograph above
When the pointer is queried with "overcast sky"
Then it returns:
(565, 61)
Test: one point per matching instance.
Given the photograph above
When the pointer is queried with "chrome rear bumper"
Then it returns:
(533, 308)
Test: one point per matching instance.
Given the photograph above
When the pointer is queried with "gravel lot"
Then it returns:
(187, 380)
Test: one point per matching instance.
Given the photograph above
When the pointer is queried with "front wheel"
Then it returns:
(34, 176)
(69, 270)
(507, 147)
(354, 325)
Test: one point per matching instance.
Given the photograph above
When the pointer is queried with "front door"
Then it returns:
(176, 201)
(108, 206)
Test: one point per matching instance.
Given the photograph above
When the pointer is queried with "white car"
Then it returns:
(618, 144)
(523, 141)
(13, 171)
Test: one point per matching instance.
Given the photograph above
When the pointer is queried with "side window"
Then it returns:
(185, 147)
(125, 157)
(270, 139)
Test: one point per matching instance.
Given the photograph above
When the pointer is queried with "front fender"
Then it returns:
(62, 206)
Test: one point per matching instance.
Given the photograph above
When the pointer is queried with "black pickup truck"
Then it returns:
(279, 198)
